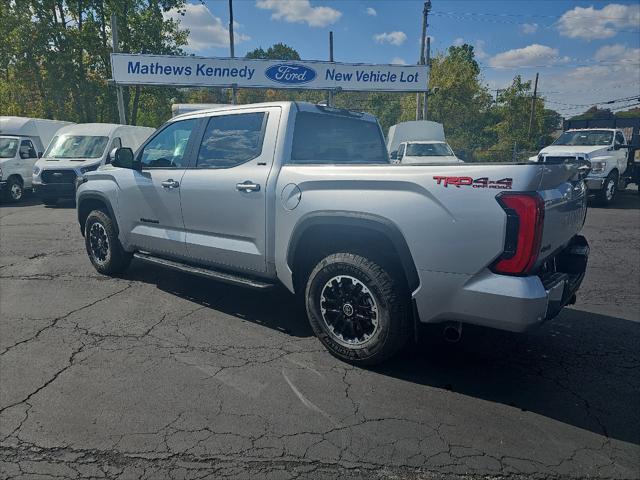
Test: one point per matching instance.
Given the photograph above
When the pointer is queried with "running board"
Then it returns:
(204, 272)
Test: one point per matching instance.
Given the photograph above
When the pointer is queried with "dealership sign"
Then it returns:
(130, 69)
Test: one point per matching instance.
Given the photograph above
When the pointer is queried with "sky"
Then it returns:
(585, 52)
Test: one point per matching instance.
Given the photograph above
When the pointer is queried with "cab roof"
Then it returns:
(96, 129)
(300, 106)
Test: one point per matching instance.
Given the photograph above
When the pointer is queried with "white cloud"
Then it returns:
(573, 88)
(458, 41)
(531, 55)
(529, 28)
(478, 49)
(205, 29)
(394, 38)
(300, 11)
(590, 23)
(398, 61)
(371, 11)
(618, 53)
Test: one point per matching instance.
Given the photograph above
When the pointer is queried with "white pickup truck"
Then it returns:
(305, 196)
(604, 148)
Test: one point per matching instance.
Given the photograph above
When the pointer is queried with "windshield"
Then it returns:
(585, 138)
(76, 146)
(428, 150)
(8, 147)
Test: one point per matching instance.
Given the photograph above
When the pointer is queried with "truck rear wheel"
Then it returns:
(359, 311)
(103, 247)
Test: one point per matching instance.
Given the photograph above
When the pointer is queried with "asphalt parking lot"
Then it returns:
(163, 375)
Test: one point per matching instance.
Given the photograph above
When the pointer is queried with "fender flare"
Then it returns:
(101, 198)
(367, 221)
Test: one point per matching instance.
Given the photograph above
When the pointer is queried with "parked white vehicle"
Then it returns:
(419, 153)
(606, 149)
(22, 141)
(419, 142)
(78, 149)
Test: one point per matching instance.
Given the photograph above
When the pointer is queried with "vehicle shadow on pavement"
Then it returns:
(625, 200)
(27, 201)
(275, 308)
(582, 369)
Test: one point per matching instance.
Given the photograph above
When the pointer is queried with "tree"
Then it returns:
(279, 51)
(57, 57)
(457, 99)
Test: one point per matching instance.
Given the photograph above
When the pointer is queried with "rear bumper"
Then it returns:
(59, 190)
(505, 302)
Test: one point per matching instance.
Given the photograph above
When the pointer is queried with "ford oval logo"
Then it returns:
(290, 73)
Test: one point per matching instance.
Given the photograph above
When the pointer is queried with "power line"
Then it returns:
(526, 15)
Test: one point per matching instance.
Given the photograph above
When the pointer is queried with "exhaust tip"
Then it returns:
(452, 332)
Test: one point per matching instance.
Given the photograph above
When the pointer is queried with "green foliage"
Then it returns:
(279, 51)
(55, 58)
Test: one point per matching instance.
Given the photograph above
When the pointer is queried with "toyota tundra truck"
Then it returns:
(305, 196)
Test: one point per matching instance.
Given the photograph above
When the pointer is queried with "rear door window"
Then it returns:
(231, 140)
(334, 139)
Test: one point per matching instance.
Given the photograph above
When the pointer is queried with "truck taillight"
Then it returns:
(525, 221)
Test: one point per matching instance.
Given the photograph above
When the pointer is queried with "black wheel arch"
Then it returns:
(371, 225)
(88, 202)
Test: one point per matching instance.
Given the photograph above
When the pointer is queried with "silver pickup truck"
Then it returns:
(305, 195)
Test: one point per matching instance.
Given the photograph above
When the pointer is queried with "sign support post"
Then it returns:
(116, 49)
(234, 90)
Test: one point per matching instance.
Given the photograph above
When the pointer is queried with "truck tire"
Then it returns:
(357, 309)
(103, 247)
(607, 195)
(15, 191)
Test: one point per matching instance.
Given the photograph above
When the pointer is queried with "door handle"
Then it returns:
(171, 183)
(248, 186)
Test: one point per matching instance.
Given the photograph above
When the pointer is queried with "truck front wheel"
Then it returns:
(15, 191)
(359, 310)
(102, 244)
(608, 192)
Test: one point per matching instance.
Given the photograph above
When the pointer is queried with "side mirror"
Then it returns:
(393, 155)
(123, 157)
(40, 154)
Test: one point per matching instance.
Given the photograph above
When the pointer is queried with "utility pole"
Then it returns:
(330, 93)
(533, 106)
(425, 100)
(116, 48)
(425, 13)
(234, 90)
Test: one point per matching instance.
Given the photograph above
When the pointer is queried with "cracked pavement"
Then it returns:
(162, 375)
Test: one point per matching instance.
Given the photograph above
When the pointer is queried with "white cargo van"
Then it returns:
(77, 149)
(22, 141)
(419, 142)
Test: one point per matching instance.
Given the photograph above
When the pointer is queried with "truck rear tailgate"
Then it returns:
(565, 200)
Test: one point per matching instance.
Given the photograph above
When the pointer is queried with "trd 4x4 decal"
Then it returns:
(483, 182)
